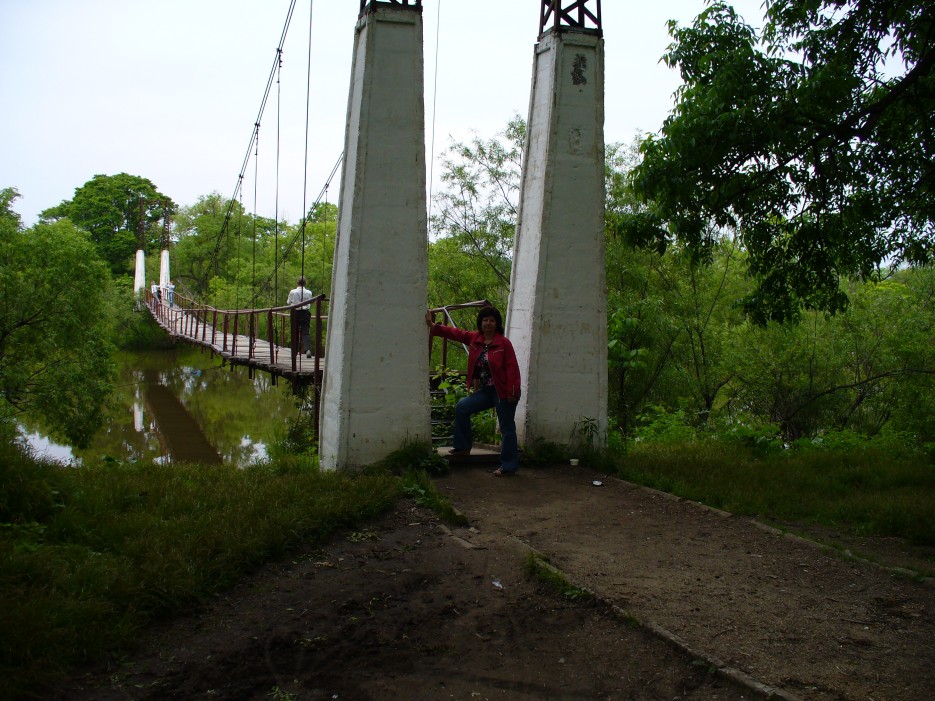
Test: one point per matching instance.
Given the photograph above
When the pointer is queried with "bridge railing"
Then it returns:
(243, 333)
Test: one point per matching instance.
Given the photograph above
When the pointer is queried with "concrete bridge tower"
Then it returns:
(557, 316)
(375, 388)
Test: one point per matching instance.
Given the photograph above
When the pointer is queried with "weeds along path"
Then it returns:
(777, 611)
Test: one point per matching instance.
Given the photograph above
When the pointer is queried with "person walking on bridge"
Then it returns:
(494, 374)
(302, 316)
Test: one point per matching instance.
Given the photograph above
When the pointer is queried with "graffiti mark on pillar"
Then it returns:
(577, 71)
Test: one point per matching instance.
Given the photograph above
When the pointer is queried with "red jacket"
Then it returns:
(500, 356)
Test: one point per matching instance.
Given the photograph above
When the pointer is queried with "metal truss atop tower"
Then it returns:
(578, 15)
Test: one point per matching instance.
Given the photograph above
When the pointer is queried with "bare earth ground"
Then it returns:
(409, 609)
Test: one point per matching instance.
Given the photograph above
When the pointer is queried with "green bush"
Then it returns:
(750, 434)
(299, 437)
(659, 425)
(134, 328)
(30, 488)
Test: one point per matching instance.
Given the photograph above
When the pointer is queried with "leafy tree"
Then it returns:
(323, 212)
(854, 370)
(10, 222)
(785, 374)
(237, 263)
(669, 316)
(455, 276)
(121, 213)
(638, 345)
(700, 300)
(640, 337)
(814, 140)
(891, 377)
(55, 350)
(197, 228)
(670, 329)
(478, 207)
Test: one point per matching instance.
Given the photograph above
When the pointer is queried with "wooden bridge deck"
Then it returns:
(237, 348)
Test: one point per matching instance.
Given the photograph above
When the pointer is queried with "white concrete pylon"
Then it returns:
(375, 389)
(557, 315)
(164, 275)
(139, 277)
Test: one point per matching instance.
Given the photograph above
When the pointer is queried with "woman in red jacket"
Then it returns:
(494, 374)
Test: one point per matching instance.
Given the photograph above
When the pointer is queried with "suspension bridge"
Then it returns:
(368, 358)
(259, 339)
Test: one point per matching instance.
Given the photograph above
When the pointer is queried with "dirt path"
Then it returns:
(408, 609)
(780, 610)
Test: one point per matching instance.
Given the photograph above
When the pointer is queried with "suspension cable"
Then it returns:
(256, 179)
(278, 122)
(438, 24)
(291, 244)
(323, 234)
(275, 74)
(239, 258)
(308, 101)
(253, 134)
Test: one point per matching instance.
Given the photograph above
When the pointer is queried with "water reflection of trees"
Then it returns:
(239, 416)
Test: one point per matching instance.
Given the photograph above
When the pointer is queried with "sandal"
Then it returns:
(500, 472)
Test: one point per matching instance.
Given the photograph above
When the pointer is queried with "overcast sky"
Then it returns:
(170, 89)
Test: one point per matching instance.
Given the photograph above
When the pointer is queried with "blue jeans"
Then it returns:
(482, 399)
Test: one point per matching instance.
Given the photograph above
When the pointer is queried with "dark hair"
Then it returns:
(301, 281)
(492, 312)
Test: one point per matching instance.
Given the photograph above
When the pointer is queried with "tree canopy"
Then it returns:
(813, 140)
(475, 213)
(55, 350)
(121, 213)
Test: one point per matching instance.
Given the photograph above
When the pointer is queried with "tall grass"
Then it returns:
(863, 490)
(89, 556)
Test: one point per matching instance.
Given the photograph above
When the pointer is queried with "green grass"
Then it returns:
(90, 556)
(537, 567)
(864, 491)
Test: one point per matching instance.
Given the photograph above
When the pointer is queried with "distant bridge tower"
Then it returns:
(557, 316)
(165, 276)
(375, 391)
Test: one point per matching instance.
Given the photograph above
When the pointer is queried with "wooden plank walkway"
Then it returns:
(238, 349)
